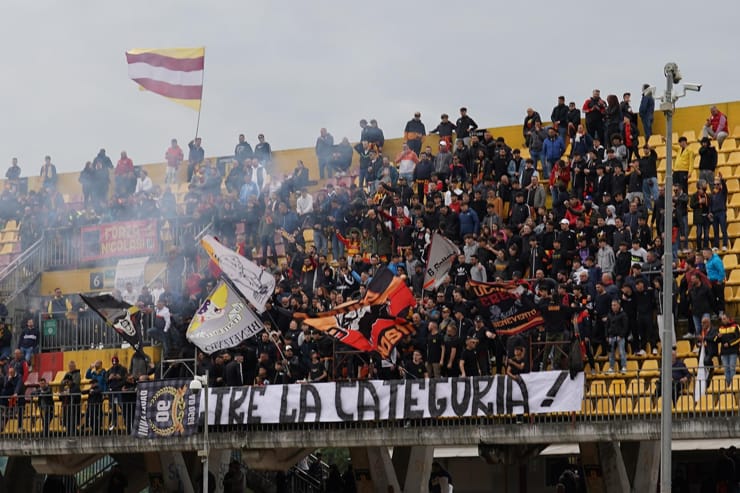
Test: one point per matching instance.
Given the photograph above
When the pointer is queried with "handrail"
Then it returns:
(22, 256)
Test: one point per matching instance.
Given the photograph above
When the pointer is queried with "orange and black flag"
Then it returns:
(375, 323)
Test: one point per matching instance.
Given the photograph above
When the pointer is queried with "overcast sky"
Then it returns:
(288, 68)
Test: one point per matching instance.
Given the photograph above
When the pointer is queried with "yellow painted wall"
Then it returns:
(685, 118)
(78, 281)
(85, 358)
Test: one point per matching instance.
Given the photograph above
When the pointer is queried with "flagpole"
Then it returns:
(200, 105)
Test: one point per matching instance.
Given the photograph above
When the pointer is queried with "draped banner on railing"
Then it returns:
(375, 400)
(165, 408)
(119, 239)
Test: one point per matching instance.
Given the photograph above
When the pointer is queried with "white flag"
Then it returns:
(222, 321)
(442, 253)
(254, 283)
(700, 386)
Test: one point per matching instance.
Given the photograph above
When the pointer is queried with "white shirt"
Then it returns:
(304, 204)
(143, 185)
(164, 313)
(130, 297)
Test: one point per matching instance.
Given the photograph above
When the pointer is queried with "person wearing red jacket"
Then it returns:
(716, 126)
(559, 179)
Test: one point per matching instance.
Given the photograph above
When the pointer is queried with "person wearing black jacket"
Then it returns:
(235, 372)
(559, 118)
(573, 119)
(45, 402)
(707, 160)
(414, 132)
(617, 328)
(649, 173)
(556, 318)
(464, 126)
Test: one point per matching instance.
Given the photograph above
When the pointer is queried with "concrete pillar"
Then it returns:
(413, 466)
(648, 470)
(604, 468)
(373, 470)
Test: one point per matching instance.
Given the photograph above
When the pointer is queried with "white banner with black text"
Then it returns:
(376, 400)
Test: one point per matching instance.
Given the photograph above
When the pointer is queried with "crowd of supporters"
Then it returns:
(578, 224)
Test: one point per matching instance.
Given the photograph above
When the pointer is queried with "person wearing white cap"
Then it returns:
(442, 161)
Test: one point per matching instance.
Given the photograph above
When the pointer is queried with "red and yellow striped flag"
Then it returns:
(175, 73)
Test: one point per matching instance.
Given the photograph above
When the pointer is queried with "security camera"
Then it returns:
(671, 70)
(692, 87)
(195, 385)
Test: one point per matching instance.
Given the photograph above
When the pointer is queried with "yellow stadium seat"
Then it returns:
(597, 389)
(705, 404)
(690, 135)
(11, 225)
(728, 145)
(734, 159)
(656, 140)
(730, 260)
(736, 132)
(734, 278)
(734, 200)
(604, 406)
(729, 294)
(623, 406)
(660, 151)
(644, 405)
(618, 388)
(587, 407)
(632, 368)
(733, 230)
(650, 368)
(661, 166)
(735, 246)
(733, 185)
(641, 141)
(7, 249)
(691, 363)
(683, 349)
(731, 215)
(726, 402)
(717, 385)
(684, 404)
(637, 388)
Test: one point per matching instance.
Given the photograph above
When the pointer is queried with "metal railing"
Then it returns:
(63, 246)
(83, 329)
(21, 272)
(94, 472)
(75, 415)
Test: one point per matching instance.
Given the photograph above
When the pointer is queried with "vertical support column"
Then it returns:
(373, 470)
(604, 468)
(648, 470)
(413, 466)
(175, 472)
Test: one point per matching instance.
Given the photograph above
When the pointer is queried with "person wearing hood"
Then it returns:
(647, 108)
